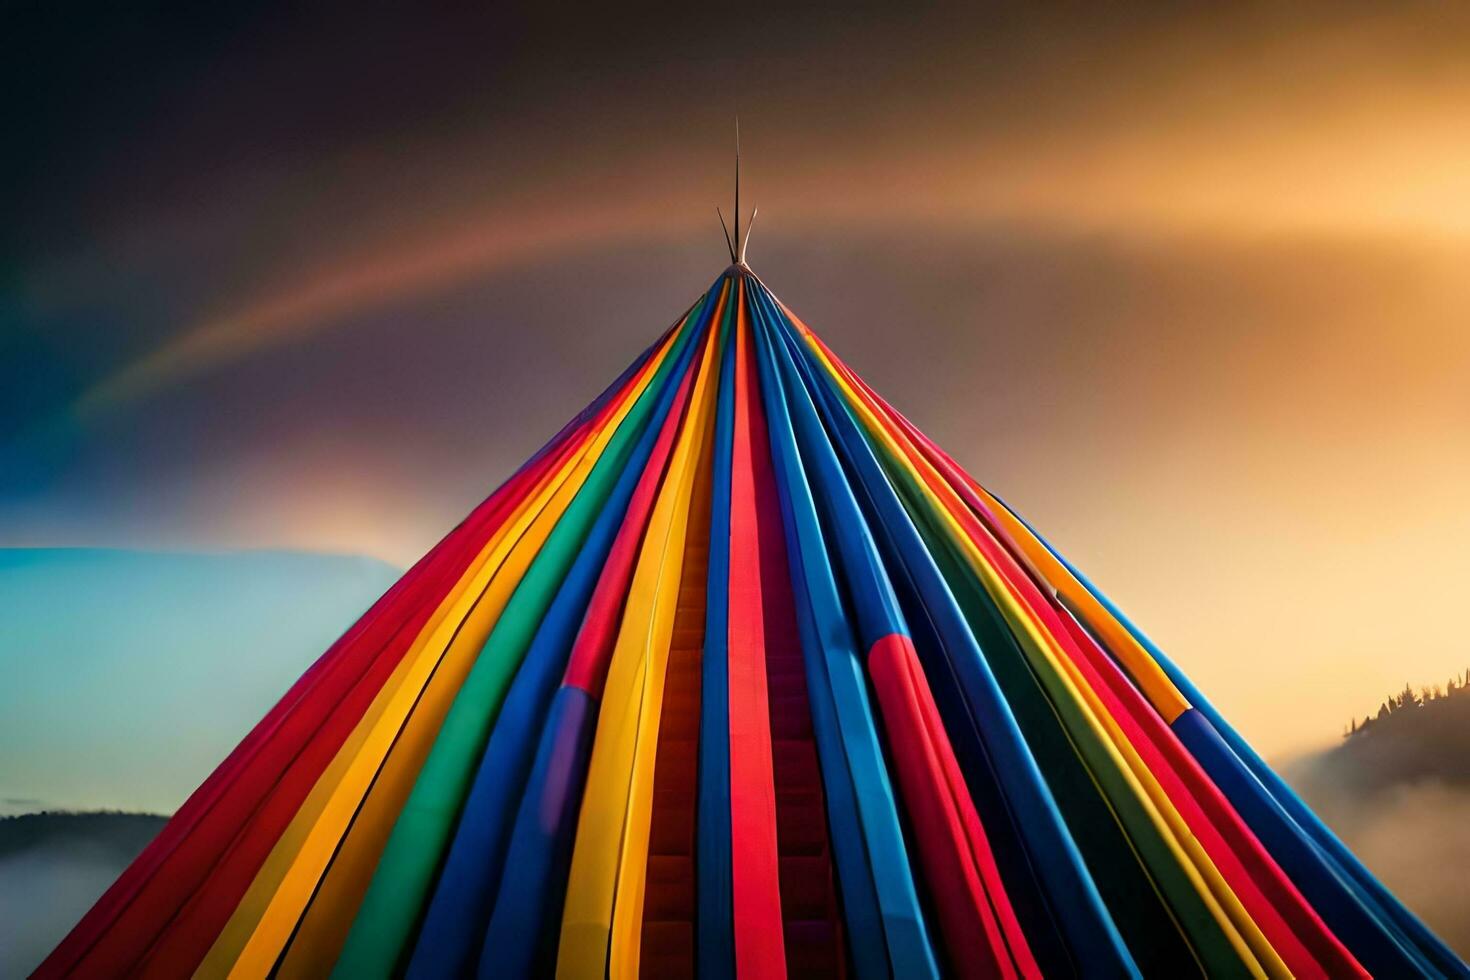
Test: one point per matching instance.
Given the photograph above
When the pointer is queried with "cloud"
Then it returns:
(43, 892)
(1414, 836)
(1255, 124)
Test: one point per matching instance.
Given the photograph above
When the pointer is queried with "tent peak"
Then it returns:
(736, 244)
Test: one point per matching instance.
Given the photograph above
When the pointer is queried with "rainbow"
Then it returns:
(742, 675)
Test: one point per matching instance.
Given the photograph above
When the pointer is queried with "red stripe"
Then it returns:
(128, 916)
(188, 937)
(1289, 922)
(1267, 894)
(191, 878)
(755, 868)
(592, 651)
(980, 929)
(810, 910)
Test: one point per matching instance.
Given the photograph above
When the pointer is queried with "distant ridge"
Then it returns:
(1415, 736)
(112, 831)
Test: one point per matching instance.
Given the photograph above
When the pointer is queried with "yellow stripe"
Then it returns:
(237, 931)
(453, 635)
(1147, 675)
(1165, 692)
(603, 916)
(1241, 931)
(1101, 623)
(323, 929)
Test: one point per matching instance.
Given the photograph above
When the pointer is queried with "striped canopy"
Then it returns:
(742, 675)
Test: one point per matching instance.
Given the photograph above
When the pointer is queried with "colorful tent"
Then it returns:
(741, 674)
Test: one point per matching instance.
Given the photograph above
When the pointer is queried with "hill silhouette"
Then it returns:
(1414, 736)
(1396, 789)
(103, 831)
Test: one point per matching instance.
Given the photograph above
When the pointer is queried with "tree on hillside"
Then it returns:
(1407, 698)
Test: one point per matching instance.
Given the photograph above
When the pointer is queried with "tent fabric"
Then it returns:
(743, 675)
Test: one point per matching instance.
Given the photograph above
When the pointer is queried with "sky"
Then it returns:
(131, 674)
(1185, 288)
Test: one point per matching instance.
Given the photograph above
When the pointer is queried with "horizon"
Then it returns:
(1186, 290)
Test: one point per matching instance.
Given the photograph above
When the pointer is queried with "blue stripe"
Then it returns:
(521, 938)
(872, 596)
(1340, 907)
(450, 936)
(714, 918)
(910, 952)
(1397, 941)
(1091, 936)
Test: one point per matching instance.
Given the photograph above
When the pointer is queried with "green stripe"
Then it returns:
(1129, 857)
(401, 884)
